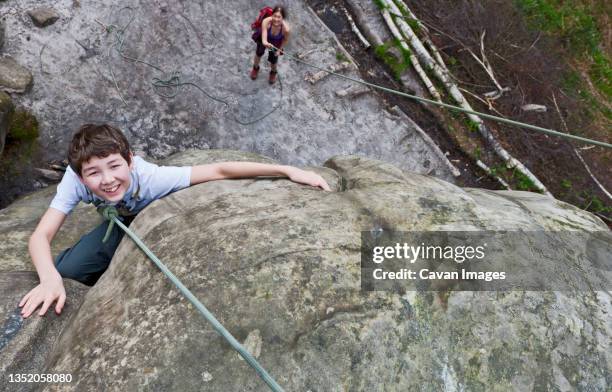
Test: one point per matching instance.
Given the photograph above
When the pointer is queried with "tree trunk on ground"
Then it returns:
(456, 94)
(413, 59)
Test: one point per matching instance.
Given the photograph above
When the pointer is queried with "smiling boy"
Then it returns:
(103, 171)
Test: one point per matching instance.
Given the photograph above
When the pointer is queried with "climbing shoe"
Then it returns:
(272, 77)
(254, 72)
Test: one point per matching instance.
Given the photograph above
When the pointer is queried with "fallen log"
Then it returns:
(413, 59)
(443, 76)
(361, 21)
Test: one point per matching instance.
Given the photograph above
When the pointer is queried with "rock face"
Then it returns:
(1, 35)
(18, 221)
(24, 344)
(209, 44)
(43, 16)
(6, 108)
(14, 77)
(279, 265)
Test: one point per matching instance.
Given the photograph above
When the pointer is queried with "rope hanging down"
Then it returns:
(110, 213)
(456, 108)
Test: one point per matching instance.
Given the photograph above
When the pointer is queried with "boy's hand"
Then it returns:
(307, 178)
(45, 293)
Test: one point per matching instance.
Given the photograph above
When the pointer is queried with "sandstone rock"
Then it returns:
(17, 222)
(43, 16)
(1, 35)
(279, 265)
(14, 77)
(51, 175)
(6, 108)
(24, 343)
(310, 125)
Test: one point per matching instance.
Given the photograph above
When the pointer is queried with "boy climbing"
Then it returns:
(271, 32)
(103, 171)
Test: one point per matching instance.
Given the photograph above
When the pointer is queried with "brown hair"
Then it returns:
(280, 9)
(96, 141)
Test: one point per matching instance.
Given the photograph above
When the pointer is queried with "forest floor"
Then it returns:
(545, 54)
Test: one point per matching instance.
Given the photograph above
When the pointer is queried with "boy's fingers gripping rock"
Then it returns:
(31, 302)
(29, 307)
(60, 303)
(45, 306)
(25, 299)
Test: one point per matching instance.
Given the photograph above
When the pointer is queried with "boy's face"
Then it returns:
(108, 178)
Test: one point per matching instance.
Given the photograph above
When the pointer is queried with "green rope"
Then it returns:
(174, 81)
(457, 108)
(110, 213)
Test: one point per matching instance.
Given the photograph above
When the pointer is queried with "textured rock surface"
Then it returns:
(14, 77)
(6, 108)
(17, 222)
(24, 344)
(278, 264)
(43, 16)
(1, 35)
(209, 43)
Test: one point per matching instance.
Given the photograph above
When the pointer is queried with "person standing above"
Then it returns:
(273, 34)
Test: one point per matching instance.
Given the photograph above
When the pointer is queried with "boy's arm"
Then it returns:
(51, 287)
(227, 170)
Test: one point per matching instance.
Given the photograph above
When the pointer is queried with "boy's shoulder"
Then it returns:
(143, 167)
(159, 179)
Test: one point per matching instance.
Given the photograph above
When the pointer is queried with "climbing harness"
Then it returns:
(112, 215)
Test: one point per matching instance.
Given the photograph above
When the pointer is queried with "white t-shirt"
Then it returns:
(149, 182)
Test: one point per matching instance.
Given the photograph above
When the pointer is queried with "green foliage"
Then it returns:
(572, 82)
(574, 86)
(499, 171)
(380, 4)
(341, 57)
(574, 22)
(516, 179)
(567, 184)
(601, 73)
(472, 125)
(523, 183)
(570, 20)
(23, 126)
(382, 51)
(594, 203)
(397, 65)
(413, 23)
